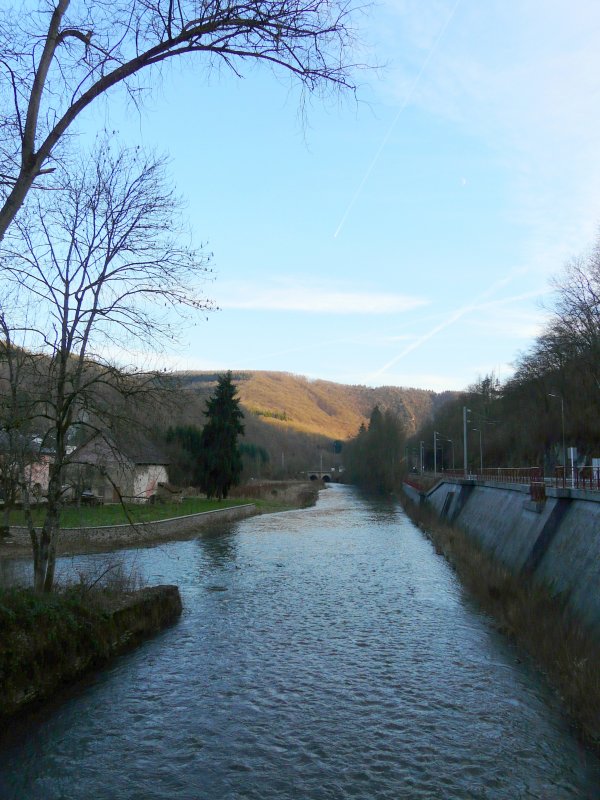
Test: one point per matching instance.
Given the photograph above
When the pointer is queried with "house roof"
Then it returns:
(25, 444)
(134, 451)
(143, 451)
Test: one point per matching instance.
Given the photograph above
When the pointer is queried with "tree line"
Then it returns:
(374, 458)
(556, 383)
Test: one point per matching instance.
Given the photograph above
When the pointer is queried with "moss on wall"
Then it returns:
(47, 641)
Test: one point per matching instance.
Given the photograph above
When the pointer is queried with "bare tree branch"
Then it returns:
(57, 63)
(100, 266)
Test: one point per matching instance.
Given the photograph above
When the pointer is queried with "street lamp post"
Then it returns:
(452, 446)
(445, 439)
(562, 417)
(465, 410)
(480, 450)
(421, 449)
(435, 452)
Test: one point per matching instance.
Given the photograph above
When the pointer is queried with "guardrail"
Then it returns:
(587, 478)
(581, 478)
(524, 475)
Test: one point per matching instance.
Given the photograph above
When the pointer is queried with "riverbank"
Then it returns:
(50, 641)
(307, 638)
(266, 497)
(539, 621)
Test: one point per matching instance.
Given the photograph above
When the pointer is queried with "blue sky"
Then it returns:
(406, 238)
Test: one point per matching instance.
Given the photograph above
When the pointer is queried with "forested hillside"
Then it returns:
(295, 421)
(319, 407)
(551, 402)
(291, 423)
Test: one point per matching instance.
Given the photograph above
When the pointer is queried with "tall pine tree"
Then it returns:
(221, 458)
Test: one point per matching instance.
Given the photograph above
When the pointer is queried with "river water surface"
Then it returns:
(323, 654)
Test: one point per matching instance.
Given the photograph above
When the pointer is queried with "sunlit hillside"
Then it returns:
(318, 407)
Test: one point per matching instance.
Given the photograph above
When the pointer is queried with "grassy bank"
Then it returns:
(268, 496)
(538, 621)
(105, 528)
(117, 514)
(272, 496)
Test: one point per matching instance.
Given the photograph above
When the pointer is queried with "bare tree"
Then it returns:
(57, 59)
(104, 268)
(576, 319)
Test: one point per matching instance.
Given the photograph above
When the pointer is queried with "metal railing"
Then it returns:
(587, 478)
(524, 475)
(580, 478)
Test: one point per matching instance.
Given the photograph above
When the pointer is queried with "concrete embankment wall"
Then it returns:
(111, 536)
(555, 541)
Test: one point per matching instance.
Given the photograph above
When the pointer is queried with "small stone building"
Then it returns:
(109, 472)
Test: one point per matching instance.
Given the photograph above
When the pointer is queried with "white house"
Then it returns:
(130, 471)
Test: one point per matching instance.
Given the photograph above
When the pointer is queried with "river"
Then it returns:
(327, 653)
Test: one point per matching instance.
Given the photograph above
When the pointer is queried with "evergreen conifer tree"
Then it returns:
(184, 443)
(221, 458)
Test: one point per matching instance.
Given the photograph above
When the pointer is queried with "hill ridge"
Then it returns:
(318, 406)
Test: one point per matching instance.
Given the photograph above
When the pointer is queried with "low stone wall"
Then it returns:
(54, 646)
(555, 541)
(114, 536)
(300, 494)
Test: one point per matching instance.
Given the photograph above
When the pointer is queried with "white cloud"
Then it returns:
(498, 321)
(511, 317)
(315, 299)
(128, 358)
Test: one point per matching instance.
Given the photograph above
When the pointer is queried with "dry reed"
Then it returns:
(540, 622)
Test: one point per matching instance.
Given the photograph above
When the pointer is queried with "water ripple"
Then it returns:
(327, 653)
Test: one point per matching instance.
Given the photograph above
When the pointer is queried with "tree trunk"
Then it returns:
(44, 565)
(5, 527)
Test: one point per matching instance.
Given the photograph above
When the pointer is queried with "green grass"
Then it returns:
(265, 506)
(115, 514)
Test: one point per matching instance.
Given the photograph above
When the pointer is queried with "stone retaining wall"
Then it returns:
(36, 661)
(113, 536)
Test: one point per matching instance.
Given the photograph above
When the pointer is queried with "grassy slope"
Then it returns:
(115, 514)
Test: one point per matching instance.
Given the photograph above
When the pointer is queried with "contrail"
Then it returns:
(395, 120)
(454, 317)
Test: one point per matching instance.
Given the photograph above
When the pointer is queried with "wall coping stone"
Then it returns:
(551, 491)
(140, 525)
